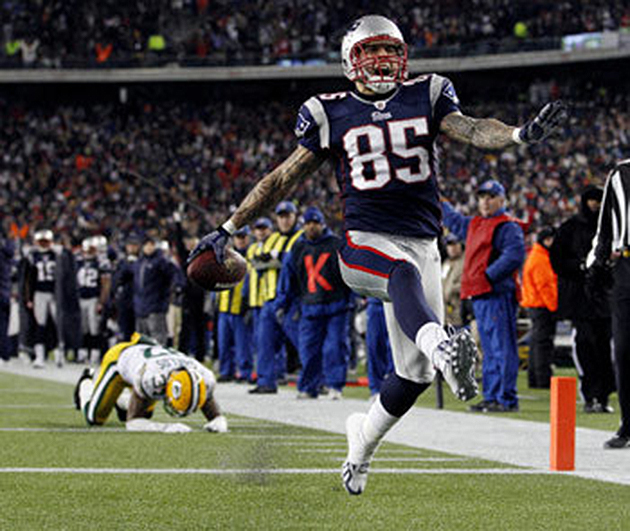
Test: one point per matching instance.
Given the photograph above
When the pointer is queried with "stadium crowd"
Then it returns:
(112, 169)
(142, 33)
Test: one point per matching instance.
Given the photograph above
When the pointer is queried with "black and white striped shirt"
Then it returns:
(613, 227)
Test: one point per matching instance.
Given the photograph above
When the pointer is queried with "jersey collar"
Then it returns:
(373, 99)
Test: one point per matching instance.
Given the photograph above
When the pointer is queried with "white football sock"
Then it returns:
(85, 392)
(95, 357)
(376, 424)
(40, 355)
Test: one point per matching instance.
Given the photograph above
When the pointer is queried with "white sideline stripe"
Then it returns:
(411, 459)
(384, 451)
(274, 471)
(306, 439)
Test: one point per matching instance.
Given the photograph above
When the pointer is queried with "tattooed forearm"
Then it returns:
(485, 133)
(275, 185)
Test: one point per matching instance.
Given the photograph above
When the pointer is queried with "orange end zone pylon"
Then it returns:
(562, 417)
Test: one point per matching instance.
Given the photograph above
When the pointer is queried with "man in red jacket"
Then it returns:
(540, 296)
(495, 250)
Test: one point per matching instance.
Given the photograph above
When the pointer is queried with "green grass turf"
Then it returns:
(258, 500)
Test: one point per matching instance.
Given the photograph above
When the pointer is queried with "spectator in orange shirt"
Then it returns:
(540, 296)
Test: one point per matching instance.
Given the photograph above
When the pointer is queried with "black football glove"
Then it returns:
(216, 240)
(550, 117)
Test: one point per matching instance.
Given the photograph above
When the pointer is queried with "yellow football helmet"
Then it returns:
(185, 392)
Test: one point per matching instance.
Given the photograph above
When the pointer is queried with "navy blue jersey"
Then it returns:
(89, 274)
(45, 265)
(385, 153)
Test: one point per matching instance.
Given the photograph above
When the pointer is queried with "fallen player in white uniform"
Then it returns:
(152, 372)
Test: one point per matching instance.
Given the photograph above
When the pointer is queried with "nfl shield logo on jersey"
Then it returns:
(301, 126)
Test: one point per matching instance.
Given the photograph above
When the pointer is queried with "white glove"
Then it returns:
(146, 425)
(217, 425)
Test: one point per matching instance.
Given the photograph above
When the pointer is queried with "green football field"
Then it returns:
(55, 473)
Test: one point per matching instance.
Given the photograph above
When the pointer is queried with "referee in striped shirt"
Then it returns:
(611, 249)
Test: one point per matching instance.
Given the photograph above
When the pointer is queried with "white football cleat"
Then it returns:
(335, 394)
(355, 470)
(455, 357)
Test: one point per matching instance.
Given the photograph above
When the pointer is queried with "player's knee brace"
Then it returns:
(398, 395)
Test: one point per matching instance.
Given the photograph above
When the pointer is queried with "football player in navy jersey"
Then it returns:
(40, 292)
(382, 137)
(94, 283)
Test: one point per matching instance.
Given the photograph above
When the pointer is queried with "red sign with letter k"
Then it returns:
(313, 272)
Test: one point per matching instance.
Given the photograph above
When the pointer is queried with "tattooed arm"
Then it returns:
(488, 133)
(485, 133)
(276, 185)
(267, 192)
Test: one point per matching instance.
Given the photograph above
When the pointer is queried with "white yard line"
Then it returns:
(509, 441)
(265, 471)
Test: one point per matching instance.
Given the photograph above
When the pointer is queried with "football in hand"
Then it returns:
(211, 275)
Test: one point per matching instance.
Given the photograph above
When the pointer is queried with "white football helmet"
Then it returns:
(100, 242)
(380, 74)
(43, 238)
(88, 246)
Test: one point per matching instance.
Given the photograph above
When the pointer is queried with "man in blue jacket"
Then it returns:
(7, 249)
(311, 273)
(495, 251)
(153, 277)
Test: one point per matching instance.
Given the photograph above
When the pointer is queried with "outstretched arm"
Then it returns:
(275, 185)
(267, 192)
(489, 133)
(485, 133)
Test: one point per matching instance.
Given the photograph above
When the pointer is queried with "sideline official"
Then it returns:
(612, 246)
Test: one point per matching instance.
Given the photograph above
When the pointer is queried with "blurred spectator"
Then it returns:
(235, 359)
(7, 249)
(540, 297)
(452, 270)
(588, 309)
(379, 352)
(154, 277)
(193, 334)
(77, 33)
(271, 363)
(69, 323)
(122, 288)
(310, 274)
(262, 231)
(495, 251)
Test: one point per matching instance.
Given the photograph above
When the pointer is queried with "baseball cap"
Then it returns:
(243, 231)
(313, 213)
(491, 187)
(263, 223)
(286, 207)
(451, 238)
(134, 237)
